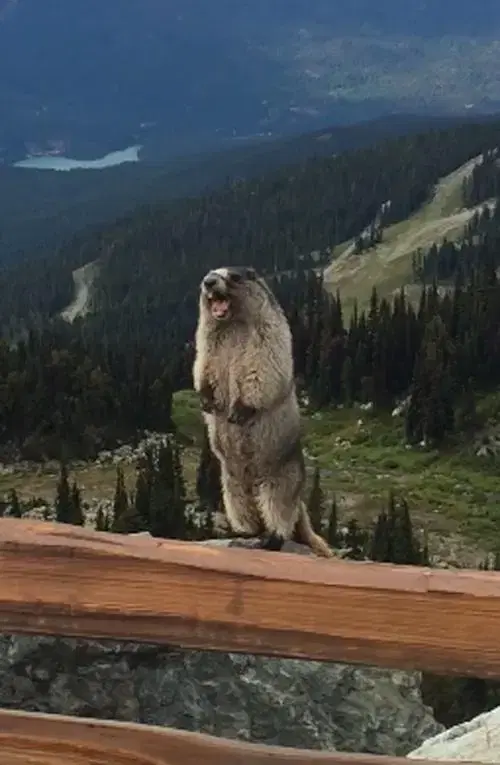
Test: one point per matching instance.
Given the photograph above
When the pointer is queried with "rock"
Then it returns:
(477, 740)
(273, 701)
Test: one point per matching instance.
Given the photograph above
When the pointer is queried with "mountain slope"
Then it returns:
(183, 74)
(151, 260)
(388, 265)
(40, 209)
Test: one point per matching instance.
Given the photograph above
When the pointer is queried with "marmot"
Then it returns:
(244, 375)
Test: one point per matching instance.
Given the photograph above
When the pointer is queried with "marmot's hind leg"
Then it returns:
(279, 502)
(241, 510)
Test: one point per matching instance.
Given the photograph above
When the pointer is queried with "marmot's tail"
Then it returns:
(305, 533)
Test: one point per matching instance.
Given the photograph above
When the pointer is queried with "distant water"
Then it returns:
(131, 154)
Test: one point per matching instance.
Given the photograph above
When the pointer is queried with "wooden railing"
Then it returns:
(68, 581)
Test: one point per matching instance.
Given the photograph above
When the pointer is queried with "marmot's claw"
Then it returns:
(272, 542)
(207, 400)
(241, 414)
(207, 408)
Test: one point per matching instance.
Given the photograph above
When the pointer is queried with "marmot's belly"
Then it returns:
(235, 442)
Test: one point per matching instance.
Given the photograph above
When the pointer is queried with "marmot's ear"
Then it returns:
(251, 274)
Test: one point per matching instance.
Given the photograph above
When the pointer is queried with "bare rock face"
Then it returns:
(477, 740)
(273, 701)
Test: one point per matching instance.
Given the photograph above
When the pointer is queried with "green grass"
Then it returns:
(187, 415)
(448, 492)
(452, 494)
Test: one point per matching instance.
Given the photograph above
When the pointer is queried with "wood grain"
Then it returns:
(56, 579)
(33, 739)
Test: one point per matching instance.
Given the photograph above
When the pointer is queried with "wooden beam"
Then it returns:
(62, 580)
(55, 740)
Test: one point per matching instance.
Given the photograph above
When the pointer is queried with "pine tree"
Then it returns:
(63, 503)
(180, 528)
(348, 381)
(407, 550)
(120, 502)
(208, 488)
(162, 493)
(380, 542)
(77, 517)
(355, 540)
(431, 413)
(142, 498)
(129, 522)
(101, 520)
(15, 505)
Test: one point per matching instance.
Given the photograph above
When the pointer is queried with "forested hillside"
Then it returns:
(274, 221)
(76, 382)
(40, 209)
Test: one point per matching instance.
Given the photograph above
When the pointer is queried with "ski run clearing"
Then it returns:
(388, 266)
(83, 279)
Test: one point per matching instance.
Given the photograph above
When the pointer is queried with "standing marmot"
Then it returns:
(244, 375)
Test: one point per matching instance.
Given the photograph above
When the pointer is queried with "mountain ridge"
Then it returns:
(108, 73)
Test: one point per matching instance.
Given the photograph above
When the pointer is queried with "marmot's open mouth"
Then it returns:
(220, 304)
(219, 307)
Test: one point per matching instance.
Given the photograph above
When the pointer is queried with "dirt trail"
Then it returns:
(83, 279)
(388, 266)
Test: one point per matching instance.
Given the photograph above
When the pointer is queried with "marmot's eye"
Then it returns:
(234, 276)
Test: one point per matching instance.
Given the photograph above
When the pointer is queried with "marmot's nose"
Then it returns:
(210, 281)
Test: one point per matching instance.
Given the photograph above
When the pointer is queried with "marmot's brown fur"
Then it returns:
(244, 374)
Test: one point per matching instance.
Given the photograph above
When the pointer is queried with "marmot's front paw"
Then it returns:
(207, 400)
(241, 414)
(207, 408)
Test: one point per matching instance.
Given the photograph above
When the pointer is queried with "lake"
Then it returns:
(131, 154)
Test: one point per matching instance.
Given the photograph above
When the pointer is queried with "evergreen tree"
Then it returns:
(63, 503)
(129, 522)
(142, 497)
(77, 517)
(101, 520)
(393, 540)
(180, 528)
(162, 493)
(380, 548)
(406, 550)
(348, 381)
(430, 415)
(208, 487)
(15, 505)
(120, 501)
(355, 540)
(167, 503)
